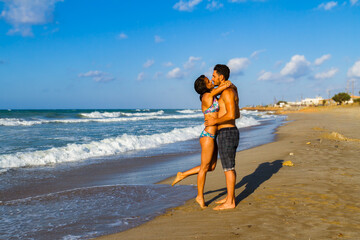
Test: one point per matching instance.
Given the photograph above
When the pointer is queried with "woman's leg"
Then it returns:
(195, 170)
(214, 157)
(181, 175)
(207, 156)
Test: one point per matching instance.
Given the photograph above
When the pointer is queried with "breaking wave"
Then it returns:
(106, 147)
(133, 117)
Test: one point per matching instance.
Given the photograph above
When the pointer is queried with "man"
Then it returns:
(228, 134)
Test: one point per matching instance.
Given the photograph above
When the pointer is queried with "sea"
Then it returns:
(79, 174)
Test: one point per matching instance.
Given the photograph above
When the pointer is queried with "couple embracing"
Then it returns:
(220, 115)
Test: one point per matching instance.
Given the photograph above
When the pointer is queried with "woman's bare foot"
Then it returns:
(178, 178)
(201, 202)
(221, 201)
(224, 206)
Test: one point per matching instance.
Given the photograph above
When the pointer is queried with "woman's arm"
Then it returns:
(218, 90)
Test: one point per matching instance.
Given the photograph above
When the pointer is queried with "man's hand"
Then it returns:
(210, 121)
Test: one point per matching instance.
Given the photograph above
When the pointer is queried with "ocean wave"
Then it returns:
(97, 114)
(17, 122)
(246, 122)
(106, 147)
(188, 111)
(23, 122)
(259, 114)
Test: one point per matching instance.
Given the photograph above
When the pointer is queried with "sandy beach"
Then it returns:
(316, 198)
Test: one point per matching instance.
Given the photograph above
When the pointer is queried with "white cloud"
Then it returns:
(354, 71)
(213, 5)
(158, 39)
(256, 53)
(140, 76)
(327, 74)
(23, 14)
(168, 64)
(149, 63)
(267, 76)
(97, 76)
(353, 2)
(191, 62)
(297, 67)
(238, 65)
(328, 6)
(175, 73)
(186, 5)
(322, 59)
(122, 36)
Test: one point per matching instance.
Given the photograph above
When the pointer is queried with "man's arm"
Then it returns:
(230, 105)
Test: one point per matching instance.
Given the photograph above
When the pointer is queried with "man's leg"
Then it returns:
(229, 201)
(230, 186)
(228, 142)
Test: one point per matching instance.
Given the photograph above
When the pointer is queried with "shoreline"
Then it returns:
(275, 201)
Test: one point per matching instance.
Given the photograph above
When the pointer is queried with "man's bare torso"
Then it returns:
(232, 93)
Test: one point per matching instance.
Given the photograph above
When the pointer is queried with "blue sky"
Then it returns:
(147, 54)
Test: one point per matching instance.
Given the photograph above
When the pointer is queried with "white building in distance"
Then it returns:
(307, 102)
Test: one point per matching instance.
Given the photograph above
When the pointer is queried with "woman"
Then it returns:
(209, 105)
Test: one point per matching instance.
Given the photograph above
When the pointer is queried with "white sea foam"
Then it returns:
(247, 111)
(106, 147)
(161, 112)
(17, 122)
(22, 122)
(97, 114)
(246, 122)
(188, 111)
(262, 115)
(72, 237)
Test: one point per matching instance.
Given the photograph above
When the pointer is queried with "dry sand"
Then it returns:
(317, 198)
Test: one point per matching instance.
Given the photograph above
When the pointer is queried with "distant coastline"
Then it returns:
(286, 110)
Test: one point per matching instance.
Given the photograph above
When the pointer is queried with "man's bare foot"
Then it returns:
(178, 178)
(221, 201)
(224, 206)
(201, 202)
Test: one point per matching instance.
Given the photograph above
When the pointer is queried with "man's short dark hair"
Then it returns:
(200, 86)
(222, 69)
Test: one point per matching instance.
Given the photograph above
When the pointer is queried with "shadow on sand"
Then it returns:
(252, 181)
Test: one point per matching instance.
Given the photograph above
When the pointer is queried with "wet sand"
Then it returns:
(317, 198)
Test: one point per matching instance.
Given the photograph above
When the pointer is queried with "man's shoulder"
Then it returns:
(228, 92)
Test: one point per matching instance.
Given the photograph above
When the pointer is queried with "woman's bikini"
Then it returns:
(213, 108)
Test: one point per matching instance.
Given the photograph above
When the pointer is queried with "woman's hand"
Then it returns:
(228, 84)
(221, 88)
